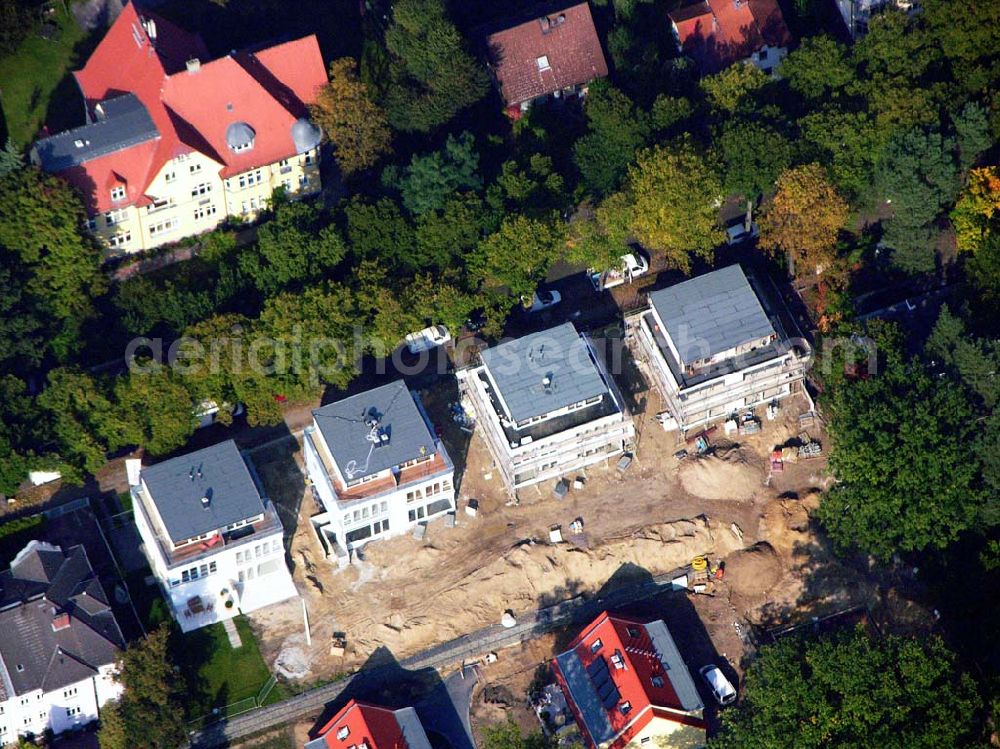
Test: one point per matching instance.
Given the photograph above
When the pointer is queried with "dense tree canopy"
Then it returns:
(901, 450)
(432, 76)
(676, 193)
(616, 130)
(432, 179)
(804, 218)
(853, 691)
(354, 123)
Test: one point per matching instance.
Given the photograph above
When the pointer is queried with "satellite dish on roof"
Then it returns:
(305, 135)
(239, 135)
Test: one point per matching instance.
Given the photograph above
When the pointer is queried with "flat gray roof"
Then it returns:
(176, 487)
(348, 426)
(543, 372)
(124, 123)
(711, 313)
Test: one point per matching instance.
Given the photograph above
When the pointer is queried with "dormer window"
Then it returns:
(543, 63)
(243, 146)
(118, 193)
(240, 137)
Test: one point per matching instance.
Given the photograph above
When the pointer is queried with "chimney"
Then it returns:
(206, 502)
(60, 621)
(193, 65)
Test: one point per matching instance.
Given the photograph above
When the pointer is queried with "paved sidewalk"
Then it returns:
(232, 633)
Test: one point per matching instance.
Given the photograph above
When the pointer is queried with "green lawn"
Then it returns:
(217, 674)
(40, 68)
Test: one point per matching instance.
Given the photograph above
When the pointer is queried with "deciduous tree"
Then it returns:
(975, 216)
(354, 123)
(676, 194)
(82, 417)
(754, 154)
(900, 449)
(518, 255)
(803, 219)
(853, 690)
(820, 68)
(155, 410)
(616, 129)
(432, 76)
(734, 87)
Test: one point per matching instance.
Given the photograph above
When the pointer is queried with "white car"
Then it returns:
(721, 687)
(542, 300)
(633, 265)
(428, 338)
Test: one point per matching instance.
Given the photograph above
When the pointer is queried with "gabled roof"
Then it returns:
(359, 723)
(717, 33)
(620, 673)
(388, 414)
(565, 37)
(543, 372)
(219, 473)
(36, 650)
(146, 55)
(712, 313)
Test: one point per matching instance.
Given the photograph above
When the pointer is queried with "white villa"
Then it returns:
(546, 406)
(714, 346)
(377, 468)
(213, 541)
(59, 642)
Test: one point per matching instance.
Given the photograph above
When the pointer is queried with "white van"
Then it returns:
(722, 688)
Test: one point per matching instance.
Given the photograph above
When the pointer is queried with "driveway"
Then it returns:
(446, 710)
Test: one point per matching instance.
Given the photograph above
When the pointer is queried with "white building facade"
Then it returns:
(214, 543)
(59, 642)
(546, 406)
(715, 346)
(377, 469)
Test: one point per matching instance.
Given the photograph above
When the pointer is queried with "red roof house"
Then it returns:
(718, 33)
(624, 680)
(546, 56)
(151, 96)
(360, 725)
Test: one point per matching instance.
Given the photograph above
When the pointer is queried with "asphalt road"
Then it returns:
(467, 647)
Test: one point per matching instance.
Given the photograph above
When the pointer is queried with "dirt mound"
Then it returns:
(732, 473)
(751, 574)
(538, 574)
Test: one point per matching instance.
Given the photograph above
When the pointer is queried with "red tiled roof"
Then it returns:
(717, 33)
(268, 89)
(376, 726)
(634, 681)
(567, 38)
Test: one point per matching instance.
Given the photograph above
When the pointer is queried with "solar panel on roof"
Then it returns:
(600, 677)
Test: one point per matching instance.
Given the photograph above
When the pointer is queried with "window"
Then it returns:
(303, 181)
(194, 168)
(71, 711)
(256, 551)
(67, 693)
(645, 739)
(111, 218)
(657, 681)
(385, 507)
(250, 178)
(213, 567)
(203, 211)
(308, 160)
(201, 189)
(343, 733)
(120, 240)
(92, 223)
(632, 632)
(243, 146)
(163, 227)
(625, 708)
(543, 63)
(169, 177)
(596, 645)
(117, 193)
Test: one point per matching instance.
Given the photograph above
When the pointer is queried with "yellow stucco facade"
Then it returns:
(190, 197)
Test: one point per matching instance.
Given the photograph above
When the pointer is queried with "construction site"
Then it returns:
(724, 500)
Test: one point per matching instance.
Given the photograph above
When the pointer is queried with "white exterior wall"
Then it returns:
(250, 572)
(394, 505)
(59, 710)
(540, 460)
(716, 398)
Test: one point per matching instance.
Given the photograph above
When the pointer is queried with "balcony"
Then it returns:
(397, 478)
(194, 552)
